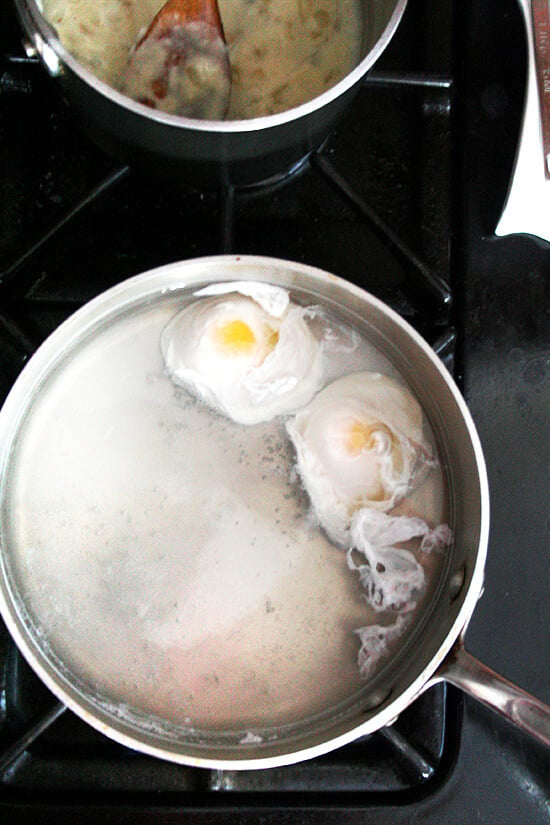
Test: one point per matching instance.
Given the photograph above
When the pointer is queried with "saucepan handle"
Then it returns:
(479, 681)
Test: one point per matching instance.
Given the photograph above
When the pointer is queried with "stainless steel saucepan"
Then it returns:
(205, 153)
(66, 435)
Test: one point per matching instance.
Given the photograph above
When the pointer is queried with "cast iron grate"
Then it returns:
(52, 751)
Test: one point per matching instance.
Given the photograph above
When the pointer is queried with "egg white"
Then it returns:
(359, 443)
(392, 577)
(245, 350)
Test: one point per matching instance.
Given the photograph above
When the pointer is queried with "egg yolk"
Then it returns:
(272, 338)
(235, 336)
(360, 437)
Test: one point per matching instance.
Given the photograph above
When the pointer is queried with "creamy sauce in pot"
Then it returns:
(282, 52)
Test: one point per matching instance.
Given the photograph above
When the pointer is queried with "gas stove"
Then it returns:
(402, 199)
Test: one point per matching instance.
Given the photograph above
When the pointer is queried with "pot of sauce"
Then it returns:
(189, 560)
(285, 98)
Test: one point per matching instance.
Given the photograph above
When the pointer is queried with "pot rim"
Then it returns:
(163, 280)
(55, 56)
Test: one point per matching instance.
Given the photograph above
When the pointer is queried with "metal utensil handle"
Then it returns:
(479, 681)
(540, 16)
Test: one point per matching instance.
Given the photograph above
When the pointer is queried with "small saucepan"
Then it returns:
(96, 542)
(206, 153)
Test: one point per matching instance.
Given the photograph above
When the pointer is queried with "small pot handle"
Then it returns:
(38, 47)
(479, 681)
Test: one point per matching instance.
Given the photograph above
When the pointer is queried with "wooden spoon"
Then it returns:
(181, 65)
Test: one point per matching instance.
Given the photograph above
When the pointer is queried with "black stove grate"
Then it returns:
(48, 750)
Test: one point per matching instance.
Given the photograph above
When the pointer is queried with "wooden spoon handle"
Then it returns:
(182, 12)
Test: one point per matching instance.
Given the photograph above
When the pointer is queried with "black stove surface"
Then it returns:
(428, 146)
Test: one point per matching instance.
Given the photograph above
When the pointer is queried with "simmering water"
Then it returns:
(167, 556)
